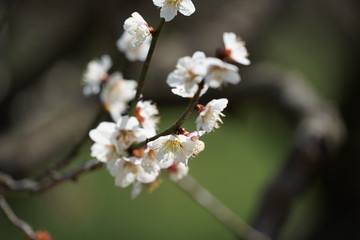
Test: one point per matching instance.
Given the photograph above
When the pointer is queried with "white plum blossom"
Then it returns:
(199, 145)
(137, 28)
(128, 170)
(149, 162)
(209, 117)
(147, 114)
(169, 8)
(111, 140)
(177, 171)
(117, 93)
(95, 73)
(172, 148)
(103, 148)
(220, 73)
(235, 48)
(124, 44)
(128, 132)
(189, 72)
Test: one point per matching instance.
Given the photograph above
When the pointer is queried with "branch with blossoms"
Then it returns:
(129, 145)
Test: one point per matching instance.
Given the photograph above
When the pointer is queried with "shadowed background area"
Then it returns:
(44, 49)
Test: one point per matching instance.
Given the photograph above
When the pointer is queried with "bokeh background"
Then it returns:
(44, 48)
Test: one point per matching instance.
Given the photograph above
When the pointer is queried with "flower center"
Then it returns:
(173, 3)
(126, 138)
(132, 167)
(171, 146)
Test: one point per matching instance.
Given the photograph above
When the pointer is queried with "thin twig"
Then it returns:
(221, 212)
(49, 181)
(15, 220)
(145, 68)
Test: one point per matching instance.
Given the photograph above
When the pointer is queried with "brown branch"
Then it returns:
(145, 68)
(49, 181)
(15, 220)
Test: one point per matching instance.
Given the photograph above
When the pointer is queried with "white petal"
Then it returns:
(136, 190)
(158, 142)
(168, 12)
(158, 3)
(103, 132)
(145, 177)
(165, 159)
(218, 104)
(232, 77)
(125, 179)
(186, 7)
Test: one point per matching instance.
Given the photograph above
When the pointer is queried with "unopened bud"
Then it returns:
(182, 131)
(42, 235)
(200, 107)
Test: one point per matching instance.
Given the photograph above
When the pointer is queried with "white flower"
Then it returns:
(199, 145)
(209, 117)
(177, 171)
(117, 93)
(103, 149)
(147, 113)
(169, 8)
(95, 73)
(149, 162)
(124, 44)
(127, 170)
(137, 28)
(128, 132)
(220, 72)
(172, 148)
(235, 48)
(189, 72)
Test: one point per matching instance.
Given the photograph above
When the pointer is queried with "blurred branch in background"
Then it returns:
(21, 224)
(319, 134)
(221, 212)
(47, 182)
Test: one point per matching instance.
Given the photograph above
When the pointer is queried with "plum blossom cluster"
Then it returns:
(129, 145)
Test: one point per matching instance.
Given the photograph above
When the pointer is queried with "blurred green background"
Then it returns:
(44, 48)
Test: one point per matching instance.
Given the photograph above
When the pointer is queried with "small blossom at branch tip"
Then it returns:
(188, 74)
(235, 48)
(42, 235)
(220, 73)
(169, 8)
(124, 44)
(209, 119)
(137, 28)
(117, 93)
(95, 73)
